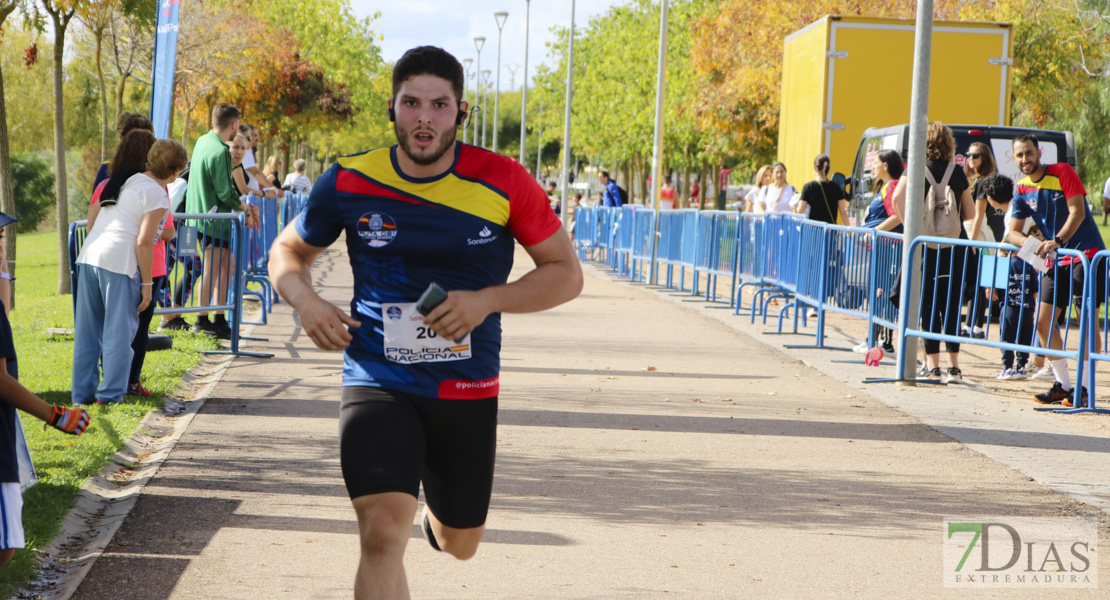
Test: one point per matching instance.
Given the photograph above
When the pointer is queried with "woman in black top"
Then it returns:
(824, 199)
(944, 273)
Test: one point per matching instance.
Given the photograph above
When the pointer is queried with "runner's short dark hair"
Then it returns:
(998, 187)
(429, 60)
(223, 114)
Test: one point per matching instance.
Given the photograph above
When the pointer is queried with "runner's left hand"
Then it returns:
(459, 314)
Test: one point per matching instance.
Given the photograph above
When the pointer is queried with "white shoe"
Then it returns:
(861, 348)
(1044, 373)
(812, 314)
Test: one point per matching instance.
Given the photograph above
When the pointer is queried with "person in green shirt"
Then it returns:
(212, 190)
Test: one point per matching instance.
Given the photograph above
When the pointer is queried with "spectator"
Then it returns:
(666, 194)
(125, 124)
(778, 196)
(822, 199)
(1021, 285)
(762, 180)
(115, 274)
(1105, 200)
(944, 265)
(190, 266)
(239, 150)
(1054, 198)
(212, 188)
(255, 177)
(695, 196)
(987, 225)
(296, 181)
(610, 195)
(131, 158)
(881, 216)
(13, 398)
(274, 165)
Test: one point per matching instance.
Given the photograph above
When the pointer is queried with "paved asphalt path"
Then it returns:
(645, 451)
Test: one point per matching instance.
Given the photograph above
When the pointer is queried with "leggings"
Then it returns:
(138, 345)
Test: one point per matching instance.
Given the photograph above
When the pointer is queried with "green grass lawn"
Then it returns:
(45, 367)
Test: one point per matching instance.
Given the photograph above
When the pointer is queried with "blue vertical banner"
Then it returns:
(165, 57)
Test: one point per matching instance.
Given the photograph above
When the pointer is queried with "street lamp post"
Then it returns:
(524, 88)
(478, 43)
(565, 212)
(485, 98)
(466, 89)
(499, 17)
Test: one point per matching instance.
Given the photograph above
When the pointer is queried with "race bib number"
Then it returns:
(408, 340)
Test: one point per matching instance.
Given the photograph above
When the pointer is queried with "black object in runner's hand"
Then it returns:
(430, 299)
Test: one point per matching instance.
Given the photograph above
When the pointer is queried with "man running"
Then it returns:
(419, 402)
(1054, 197)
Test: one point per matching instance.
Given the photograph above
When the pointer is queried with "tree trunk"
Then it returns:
(185, 129)
(120, 89)
(60, 190)
(103, 98)
(703, 187)
(7, 194)
(685, 189)
(287, 158)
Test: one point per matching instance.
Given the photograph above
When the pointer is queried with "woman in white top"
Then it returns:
(114, 276)
(779, 196)
(762, 180)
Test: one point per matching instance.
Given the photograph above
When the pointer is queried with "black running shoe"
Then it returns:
(174, 324)
(426, 527)
(1082, 398)
(1055, 395)
(223, 329)
(206, 327)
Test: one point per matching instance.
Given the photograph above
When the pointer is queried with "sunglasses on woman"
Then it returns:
(974, 155)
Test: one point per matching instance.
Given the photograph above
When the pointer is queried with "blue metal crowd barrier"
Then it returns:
(585, 231)
(858, 274)
(181, 277)
(941, 301)
(1098, 304)
(643, 232)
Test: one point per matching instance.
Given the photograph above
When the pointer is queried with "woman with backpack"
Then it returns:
(943, 270)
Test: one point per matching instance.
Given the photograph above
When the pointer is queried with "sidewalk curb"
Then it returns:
(108, 497)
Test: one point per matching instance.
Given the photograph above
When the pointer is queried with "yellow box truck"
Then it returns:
(842, 75)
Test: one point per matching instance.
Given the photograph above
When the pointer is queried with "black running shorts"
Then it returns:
(392, 441)
(1070, 288)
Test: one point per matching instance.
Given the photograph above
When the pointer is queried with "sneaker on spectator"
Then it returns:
(931, 373)
(953, 375)
(137, 389)
(175, 324)
(1044, 372)
(979, 333)
(888, 347)
(1055, 395)
(861, 348)
(1005, 374)
(1019, 373)
(1082, 398)
(206, 327)
(223, 329)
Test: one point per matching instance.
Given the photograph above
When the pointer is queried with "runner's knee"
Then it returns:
(384, 521)
(461, 543)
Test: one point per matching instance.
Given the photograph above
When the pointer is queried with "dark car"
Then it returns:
(1056, 146)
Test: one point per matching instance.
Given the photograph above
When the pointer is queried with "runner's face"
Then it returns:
(426, 109)
(1027, 157)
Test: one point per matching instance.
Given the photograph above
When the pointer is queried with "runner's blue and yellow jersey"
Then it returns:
(1046, 202)
(403, 233)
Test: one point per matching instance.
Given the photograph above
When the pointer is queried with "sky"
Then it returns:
(453, 25)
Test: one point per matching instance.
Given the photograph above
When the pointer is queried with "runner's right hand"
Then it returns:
(326, 324)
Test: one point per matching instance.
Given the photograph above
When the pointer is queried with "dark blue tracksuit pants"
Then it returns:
(1019, 310)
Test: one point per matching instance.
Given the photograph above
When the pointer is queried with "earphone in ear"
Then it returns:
(392, 114)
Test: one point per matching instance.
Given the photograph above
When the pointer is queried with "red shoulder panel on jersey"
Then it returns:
(1070, 183)
(485, 166)
(352, 183)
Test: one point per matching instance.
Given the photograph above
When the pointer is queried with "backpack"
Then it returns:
(941, 217)
(623, 195)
